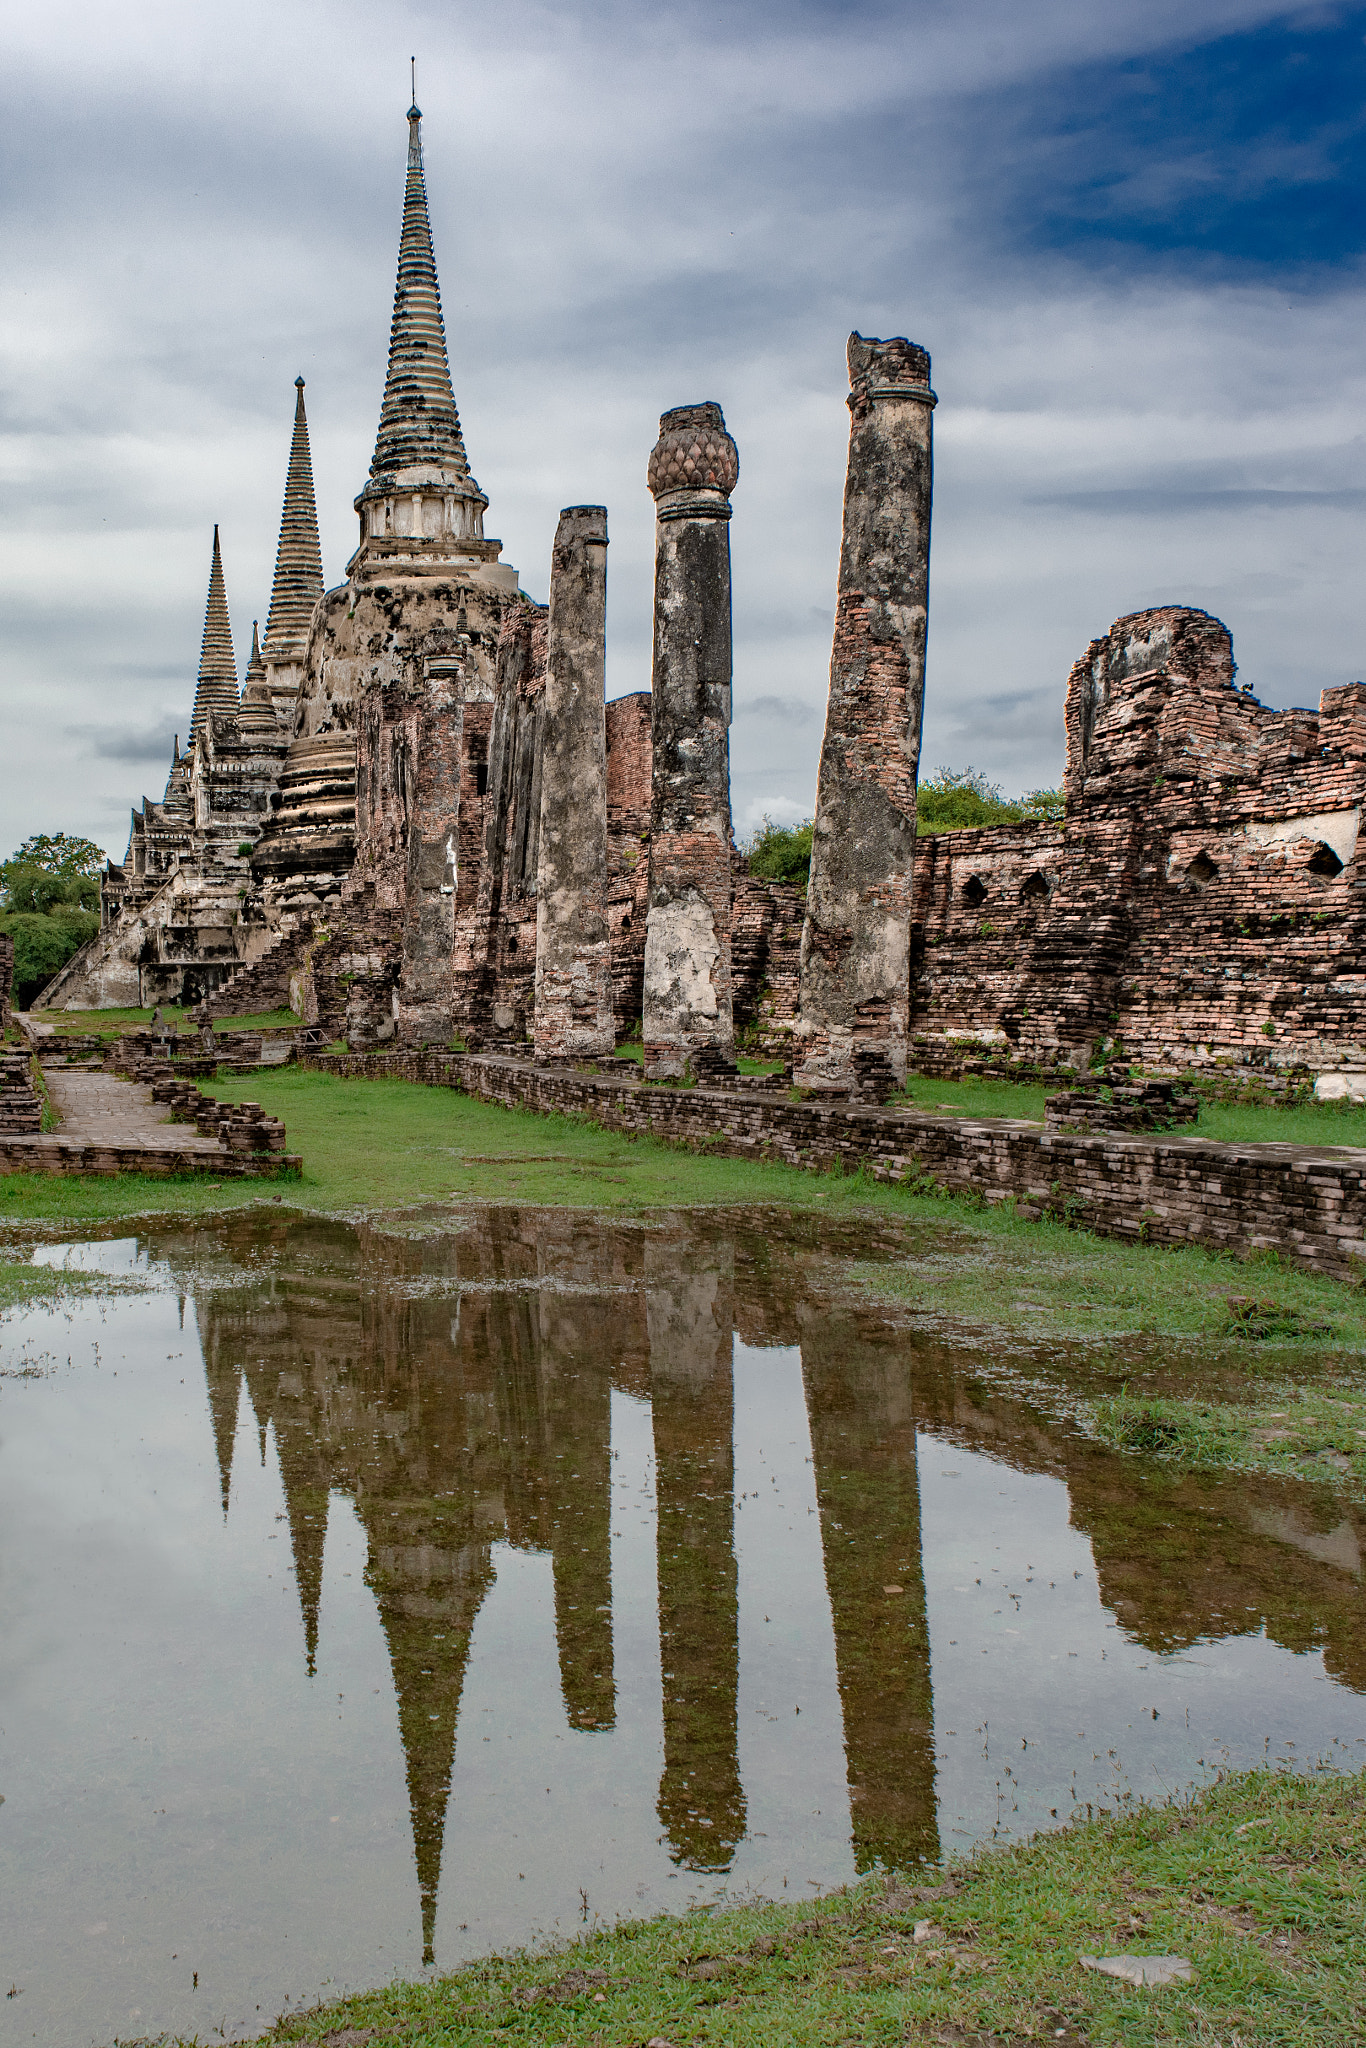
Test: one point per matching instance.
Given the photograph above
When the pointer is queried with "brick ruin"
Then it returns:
(417, 820)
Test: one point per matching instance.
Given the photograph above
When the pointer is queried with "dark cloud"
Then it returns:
(121, 744)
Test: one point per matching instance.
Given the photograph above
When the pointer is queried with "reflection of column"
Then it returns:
(701, 1800)
(575, 1375)
(859, 1401)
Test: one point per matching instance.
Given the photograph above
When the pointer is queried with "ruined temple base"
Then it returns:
(1305, 1202)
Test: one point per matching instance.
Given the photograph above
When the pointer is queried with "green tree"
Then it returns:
(959, 799)
(50, 905)
(781, 853)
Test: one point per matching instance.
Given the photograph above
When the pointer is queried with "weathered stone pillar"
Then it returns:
(693, 471)
(856, 939)
(573, 964)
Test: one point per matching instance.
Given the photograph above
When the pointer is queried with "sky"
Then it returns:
(1129, 235)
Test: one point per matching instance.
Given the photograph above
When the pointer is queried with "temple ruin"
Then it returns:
(418, 821)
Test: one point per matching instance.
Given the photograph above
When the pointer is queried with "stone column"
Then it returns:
(856, 940)
(687, 1004)
(573, 964)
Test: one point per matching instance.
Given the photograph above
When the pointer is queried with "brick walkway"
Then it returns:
(101, 1109)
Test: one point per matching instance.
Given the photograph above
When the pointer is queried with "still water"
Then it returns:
(373, 1597)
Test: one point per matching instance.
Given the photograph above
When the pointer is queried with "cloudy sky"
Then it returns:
(1129, 234)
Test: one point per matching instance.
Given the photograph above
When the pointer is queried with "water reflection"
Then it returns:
(566, 1388)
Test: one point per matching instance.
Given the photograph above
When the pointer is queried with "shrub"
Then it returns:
(781, 853)
(958, 799)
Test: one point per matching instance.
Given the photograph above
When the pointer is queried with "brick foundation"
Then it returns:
(1307, 1203)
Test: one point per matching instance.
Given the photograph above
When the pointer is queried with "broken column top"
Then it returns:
(887, 369)
(694, 453)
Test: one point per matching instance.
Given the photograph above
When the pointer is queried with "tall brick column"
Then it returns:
(856, 939)
(573, 963)
(693, 471)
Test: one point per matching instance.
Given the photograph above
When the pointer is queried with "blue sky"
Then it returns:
(1129, 236)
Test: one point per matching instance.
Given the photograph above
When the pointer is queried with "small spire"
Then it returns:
(418, 422)
(256, 671)
(216, 689)
(298, 558)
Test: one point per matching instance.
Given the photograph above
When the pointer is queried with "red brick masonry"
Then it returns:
(1306, 1202)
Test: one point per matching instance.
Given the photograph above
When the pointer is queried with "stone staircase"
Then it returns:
(21, 1109)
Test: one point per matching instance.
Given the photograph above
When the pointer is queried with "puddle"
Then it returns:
(370, 1597)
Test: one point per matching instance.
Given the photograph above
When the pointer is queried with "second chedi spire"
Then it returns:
(298, 559)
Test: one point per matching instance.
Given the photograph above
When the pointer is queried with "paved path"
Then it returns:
(101, 1109)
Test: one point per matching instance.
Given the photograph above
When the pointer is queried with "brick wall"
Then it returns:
(1307, 1203)
(1202, 901)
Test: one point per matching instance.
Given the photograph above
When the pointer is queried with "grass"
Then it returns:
(113, 1023)
(634, 1050)
(1259, 1881)
(1290, 1426)
(1226, 1123)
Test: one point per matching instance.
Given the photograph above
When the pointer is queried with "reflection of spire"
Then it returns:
(863, 1448)
(225, 1395)
(305, 1483)
(701, 1799)
(216, 689)
(429, 1593)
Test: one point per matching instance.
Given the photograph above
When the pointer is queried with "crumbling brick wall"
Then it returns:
(1201, 901)
(6, 977)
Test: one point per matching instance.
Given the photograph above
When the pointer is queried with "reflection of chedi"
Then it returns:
(451, 1432)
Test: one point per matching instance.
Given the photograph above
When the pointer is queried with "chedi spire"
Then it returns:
(216, 689)
(418, 423)
(298, 558)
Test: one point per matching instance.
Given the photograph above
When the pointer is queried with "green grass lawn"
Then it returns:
(1227, 1123)
(1259, 1883)
(113, 1023)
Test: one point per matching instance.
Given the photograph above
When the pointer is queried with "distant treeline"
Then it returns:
(950, 800)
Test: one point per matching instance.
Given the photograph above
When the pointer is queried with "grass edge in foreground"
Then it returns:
(1258, 1880)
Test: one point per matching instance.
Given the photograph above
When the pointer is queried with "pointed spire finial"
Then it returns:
(419, 426)
(298, 558)
(413, 108)
(216, 688)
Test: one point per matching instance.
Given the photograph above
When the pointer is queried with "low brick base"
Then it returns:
(1305, 1202)
(55, 1154)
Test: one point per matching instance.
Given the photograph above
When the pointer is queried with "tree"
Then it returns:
(57, 853)
(50, 905)
(958, 799)
(781, 853)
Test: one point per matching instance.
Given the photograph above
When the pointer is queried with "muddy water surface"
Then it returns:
(373, 1597)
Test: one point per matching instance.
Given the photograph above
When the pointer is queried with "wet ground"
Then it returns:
(379, 1595)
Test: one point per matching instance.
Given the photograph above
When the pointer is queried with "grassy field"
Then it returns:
(1279, 1383)
(113, 1023)
(1227, 1123)
(1259, 1883)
